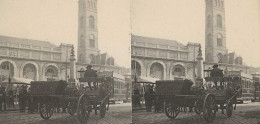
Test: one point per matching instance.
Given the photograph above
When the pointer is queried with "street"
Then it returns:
(117, 114)
(247, 113)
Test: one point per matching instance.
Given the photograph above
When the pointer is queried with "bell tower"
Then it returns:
(87, 31)
(215, 32)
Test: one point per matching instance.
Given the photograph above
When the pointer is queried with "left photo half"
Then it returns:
(65, 62)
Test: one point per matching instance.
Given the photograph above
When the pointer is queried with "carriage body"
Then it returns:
(205, 99)
(60, 94)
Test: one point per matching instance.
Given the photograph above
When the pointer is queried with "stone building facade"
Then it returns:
(42, 60)
(163, 59)
(33, 59)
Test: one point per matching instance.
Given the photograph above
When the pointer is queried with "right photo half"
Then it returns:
(195, 61)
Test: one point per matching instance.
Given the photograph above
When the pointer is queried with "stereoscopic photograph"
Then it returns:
(129, 61)
(195, 61)
(65, 62)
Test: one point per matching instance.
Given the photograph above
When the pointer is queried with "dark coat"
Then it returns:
(216, 72)
(90, 75)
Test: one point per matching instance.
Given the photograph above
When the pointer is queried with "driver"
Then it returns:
(216, 72)
(91, 76)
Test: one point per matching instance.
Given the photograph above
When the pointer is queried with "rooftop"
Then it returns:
(27, 41)
(155, 41)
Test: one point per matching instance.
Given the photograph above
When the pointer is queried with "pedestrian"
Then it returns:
(137, 97)
(91, 76)
(22, 98)
(149, 98)
(30, 101)
(2, 99)
(11, 98)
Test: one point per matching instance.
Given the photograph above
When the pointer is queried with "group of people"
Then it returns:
(150, 99)
(7, 99)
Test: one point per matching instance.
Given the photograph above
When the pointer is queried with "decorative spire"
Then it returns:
(200, 52)
(72, 51)
(199, 57)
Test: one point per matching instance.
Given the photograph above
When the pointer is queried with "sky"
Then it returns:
(184, 21)
(57, 21)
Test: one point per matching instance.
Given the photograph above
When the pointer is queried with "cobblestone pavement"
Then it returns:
(117, 114)
(248, 113)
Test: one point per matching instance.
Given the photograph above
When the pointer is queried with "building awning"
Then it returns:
(16, 80)
(141, 79)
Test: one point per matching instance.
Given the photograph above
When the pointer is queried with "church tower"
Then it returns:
(87, 31)
(215, 34)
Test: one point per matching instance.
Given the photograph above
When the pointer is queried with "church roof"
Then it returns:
(27, 41)
(155, 41)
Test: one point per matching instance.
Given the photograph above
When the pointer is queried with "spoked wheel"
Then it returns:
(83, 108)
(72, 108)
(229, 110)
(209, 108)
(46, 111)
(171, 110)
(102, 110)
(198, 107)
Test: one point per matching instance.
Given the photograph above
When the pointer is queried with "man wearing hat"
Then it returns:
(216, 72)
(91, 76)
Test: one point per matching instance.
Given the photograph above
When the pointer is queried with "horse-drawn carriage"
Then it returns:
(206, 99)
(60, 94)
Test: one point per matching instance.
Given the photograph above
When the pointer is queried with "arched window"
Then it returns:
(219, 40)
(219, 21)
(178, 70)
(209, 40)
(92, 58)
(136, 68)
(216, 3)
(92, 40)
(51, 71)
(91, 22)
(81, 58)
(220, 58)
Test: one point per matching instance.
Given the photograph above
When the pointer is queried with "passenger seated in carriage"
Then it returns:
(217, 73)
(91, 76)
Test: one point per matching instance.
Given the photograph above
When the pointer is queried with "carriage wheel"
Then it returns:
(83, 108)
(102, 110)
(171, 110)
(46, 111)
(72, 108)
(229, 109)
(209, 108)
(198, 107)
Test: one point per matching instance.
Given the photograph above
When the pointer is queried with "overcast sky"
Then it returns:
(181, 20)
(184, 21)
(57, 21)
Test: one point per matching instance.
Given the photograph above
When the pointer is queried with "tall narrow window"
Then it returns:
(219, 40)
(92, 58)
(220, 58)
(81, 23)
(209, 21)
(92, 40)
(219, 21)
(82, 42)
(91, 22)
